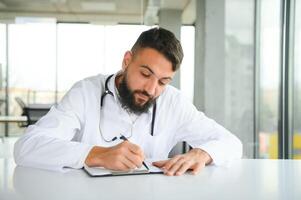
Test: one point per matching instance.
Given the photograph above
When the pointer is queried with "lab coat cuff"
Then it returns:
(215, 157)
(85, 151)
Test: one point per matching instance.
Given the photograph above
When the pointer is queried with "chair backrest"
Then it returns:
(32, 112)
(20, 102)
(22, 105)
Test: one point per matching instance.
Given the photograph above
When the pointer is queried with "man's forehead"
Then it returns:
(150, 53)
(145, 67)
(154, 60)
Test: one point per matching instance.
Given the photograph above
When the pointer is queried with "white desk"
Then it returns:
(245, 179)
(13, 119)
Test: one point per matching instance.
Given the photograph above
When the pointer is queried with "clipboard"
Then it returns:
(102, 172)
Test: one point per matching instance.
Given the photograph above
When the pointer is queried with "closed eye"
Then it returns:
(145, 74)
(164, 82)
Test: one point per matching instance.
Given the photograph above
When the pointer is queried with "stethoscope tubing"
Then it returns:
(105, 93)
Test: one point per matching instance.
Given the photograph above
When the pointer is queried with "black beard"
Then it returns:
(127, 98)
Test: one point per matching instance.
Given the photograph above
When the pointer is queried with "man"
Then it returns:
(90, 124)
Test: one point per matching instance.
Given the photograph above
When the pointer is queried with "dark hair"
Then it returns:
(164, 42)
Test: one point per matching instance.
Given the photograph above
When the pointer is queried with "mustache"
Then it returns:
(144, 93)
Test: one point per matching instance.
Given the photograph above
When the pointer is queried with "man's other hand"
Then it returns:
(124, 156)
(194, 160)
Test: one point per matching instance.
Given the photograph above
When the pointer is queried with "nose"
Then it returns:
(150, 86)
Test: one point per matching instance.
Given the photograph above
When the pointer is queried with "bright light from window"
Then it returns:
(187, 68)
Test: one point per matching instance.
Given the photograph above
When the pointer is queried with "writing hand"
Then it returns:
(124, 156)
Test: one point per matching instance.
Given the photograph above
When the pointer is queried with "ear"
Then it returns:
(127, 58)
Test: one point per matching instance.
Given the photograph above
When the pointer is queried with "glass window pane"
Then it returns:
(297, 84)
(2, 45)
(119, 39)
(31, 65)
(2, 74)
(2, 67)
(87, 50)
(80, 51)
(239, 71)
(269, 78)
(187, 67)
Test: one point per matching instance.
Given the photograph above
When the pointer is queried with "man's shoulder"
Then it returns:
(88, 84)
(171, 92)
(174, 97)
(92, 81)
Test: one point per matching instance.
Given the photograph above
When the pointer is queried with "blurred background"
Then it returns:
(242, 63)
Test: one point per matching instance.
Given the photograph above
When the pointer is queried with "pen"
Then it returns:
(125, 139)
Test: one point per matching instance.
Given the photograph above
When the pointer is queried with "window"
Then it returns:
(187, 67)
(87, 50)
(269, 68)
(239, 71)
(2, 73)
(297, 84)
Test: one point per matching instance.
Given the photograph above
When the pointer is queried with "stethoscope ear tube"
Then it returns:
(153, 118)
(107, 91)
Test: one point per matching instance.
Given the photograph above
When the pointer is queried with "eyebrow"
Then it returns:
(149, 69)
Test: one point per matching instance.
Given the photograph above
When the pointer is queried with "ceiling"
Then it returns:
(96, 11)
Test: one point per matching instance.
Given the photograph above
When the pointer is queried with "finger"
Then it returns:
(119, 165)
(185, 166)
(175, 167)
(160, 163)
(171, 162)
(134, 159)
(198, 167)
(128, 163)
(136, 149)
(127, 147)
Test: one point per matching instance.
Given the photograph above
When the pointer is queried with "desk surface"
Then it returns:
(13, 119)
(244, 179)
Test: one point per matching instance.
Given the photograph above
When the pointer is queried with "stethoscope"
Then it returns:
(104, 94)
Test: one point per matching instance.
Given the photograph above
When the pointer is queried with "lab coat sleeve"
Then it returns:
(49, 143)
(202, 132)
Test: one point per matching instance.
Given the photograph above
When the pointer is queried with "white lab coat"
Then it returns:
(63, 138)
